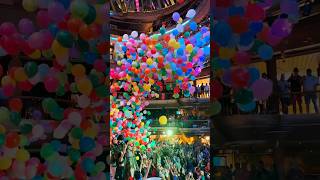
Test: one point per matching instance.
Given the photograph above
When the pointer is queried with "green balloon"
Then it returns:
(74, 155)
(214, 109)
(60, 91)
(79, 8)
(26, 128)
(83, 45)
(65, 38)
(49, 104)
(244, 96)
(46, 151)
(57, 114)
(4, 114)
(91, 16)
(159, 46)
(102, 91)
(76, 133)
(15, 118)
(2, 139)
(94, 79)
(31, 69)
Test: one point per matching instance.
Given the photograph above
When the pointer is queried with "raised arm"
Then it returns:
(148, 169)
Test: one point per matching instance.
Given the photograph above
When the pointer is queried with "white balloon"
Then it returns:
(83, 101)
(37, 131)
(191, 13)
(134, 34)
(75, 118)
(62, 130)
(125, 37)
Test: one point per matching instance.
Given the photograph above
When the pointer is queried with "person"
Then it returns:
(307, 8)
(202, 90)
(283, 87)
(263, 103)
(198, 91)
(206, 90)
(309, 88)
(295, 173)
(295, 81)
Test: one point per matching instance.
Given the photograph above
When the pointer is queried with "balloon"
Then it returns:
(55, 168)
(4, 114)
(51, 84)
(84, 86)
(83, 101)
(163, 120)
(12, 140)
(74, 25)
(43, 19)
(37, 131)
(15, 118)
(247, 107)
(29, 5)
(58, 50)
(26, 26)
(265, 52)
(5, 163)
(15, 104)
(176, 16)
(88, 164)
(85, 32)
(91, 15)
(56, 11)
(191, 13)
(74, 155)
(222, 33)
(244, 96)
(262, 89)
(22, 155)
(7, 29)
(193, 26)
(36, 40)
(31, 69)
(240, 77)
(79, 8)
(86, 144)
(215, 108)
(65, 39)
(281, 28)
(242, 57)
(217, 90)
(46, 151)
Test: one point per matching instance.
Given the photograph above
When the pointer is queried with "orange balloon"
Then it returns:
(20, 74)
(85, 32)
(78, 70)
(74, 25)
(12, 140)
(238, 24)
(96, 30)
(15, 104)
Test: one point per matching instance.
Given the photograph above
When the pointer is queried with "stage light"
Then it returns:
(169, 132)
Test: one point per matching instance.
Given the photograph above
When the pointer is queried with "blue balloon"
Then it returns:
(86, 144)
(56, 145)
(256, 27)
(65, 3)
(236, 11)
(193, 26)
(180, 51)
(55, 168)
(2, 52)
(206, 50)
(179, 72)
(247, 107)
(124, 48)
(246, 38)
(175, 32)
(222, 33)
(265, 52)
(254, 75)
(224, 64)
(43, 69)
(53, 29)
(90, 57)
(204, 29)
(88, 164)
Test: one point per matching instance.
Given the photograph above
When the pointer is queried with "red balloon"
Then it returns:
(1, 70)
(43, 19)
(24, 85)
(74, 25)
(12, 140)
(240, 77)
(255, 12)
(8, 90)
(217, 89)
(15, 104)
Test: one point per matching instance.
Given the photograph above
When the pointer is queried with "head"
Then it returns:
(282, 78)
(295, 71)
(309, 72)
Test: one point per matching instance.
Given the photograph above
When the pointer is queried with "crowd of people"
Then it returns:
(166, 161)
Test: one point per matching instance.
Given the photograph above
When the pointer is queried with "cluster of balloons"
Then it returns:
(70, 140)
(241, 32)
(145, 65)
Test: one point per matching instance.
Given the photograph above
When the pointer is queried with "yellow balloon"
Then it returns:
(172, 42)
(20, 74)
(163, 120)
(226, 53)
(7, 80)
(137, 158)
(176, 45)
(59, 50)
(2, 129)
(189, 48)
(78, 70)
(149, 61)
(30, 5)
(22, 155)
(84, 86)
(5, 163)
(35, 55)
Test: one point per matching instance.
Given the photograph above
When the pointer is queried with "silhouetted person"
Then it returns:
(295, 81)
(310, 83)
(283, 87)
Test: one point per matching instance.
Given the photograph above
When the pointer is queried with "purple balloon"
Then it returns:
(281, 28)
(37, 115)
(176, 16)
(26, 26)
(56, 11)
(262, 89)
(289, 7)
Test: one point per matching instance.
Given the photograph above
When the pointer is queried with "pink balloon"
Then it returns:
(43, 19)
(47, 40)
(262, 89)
(99, 65)
(56, 11)
(36, 40)
(7, 29)
(51, 84)
(242, 57)
(26, 26)
(8, 90)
